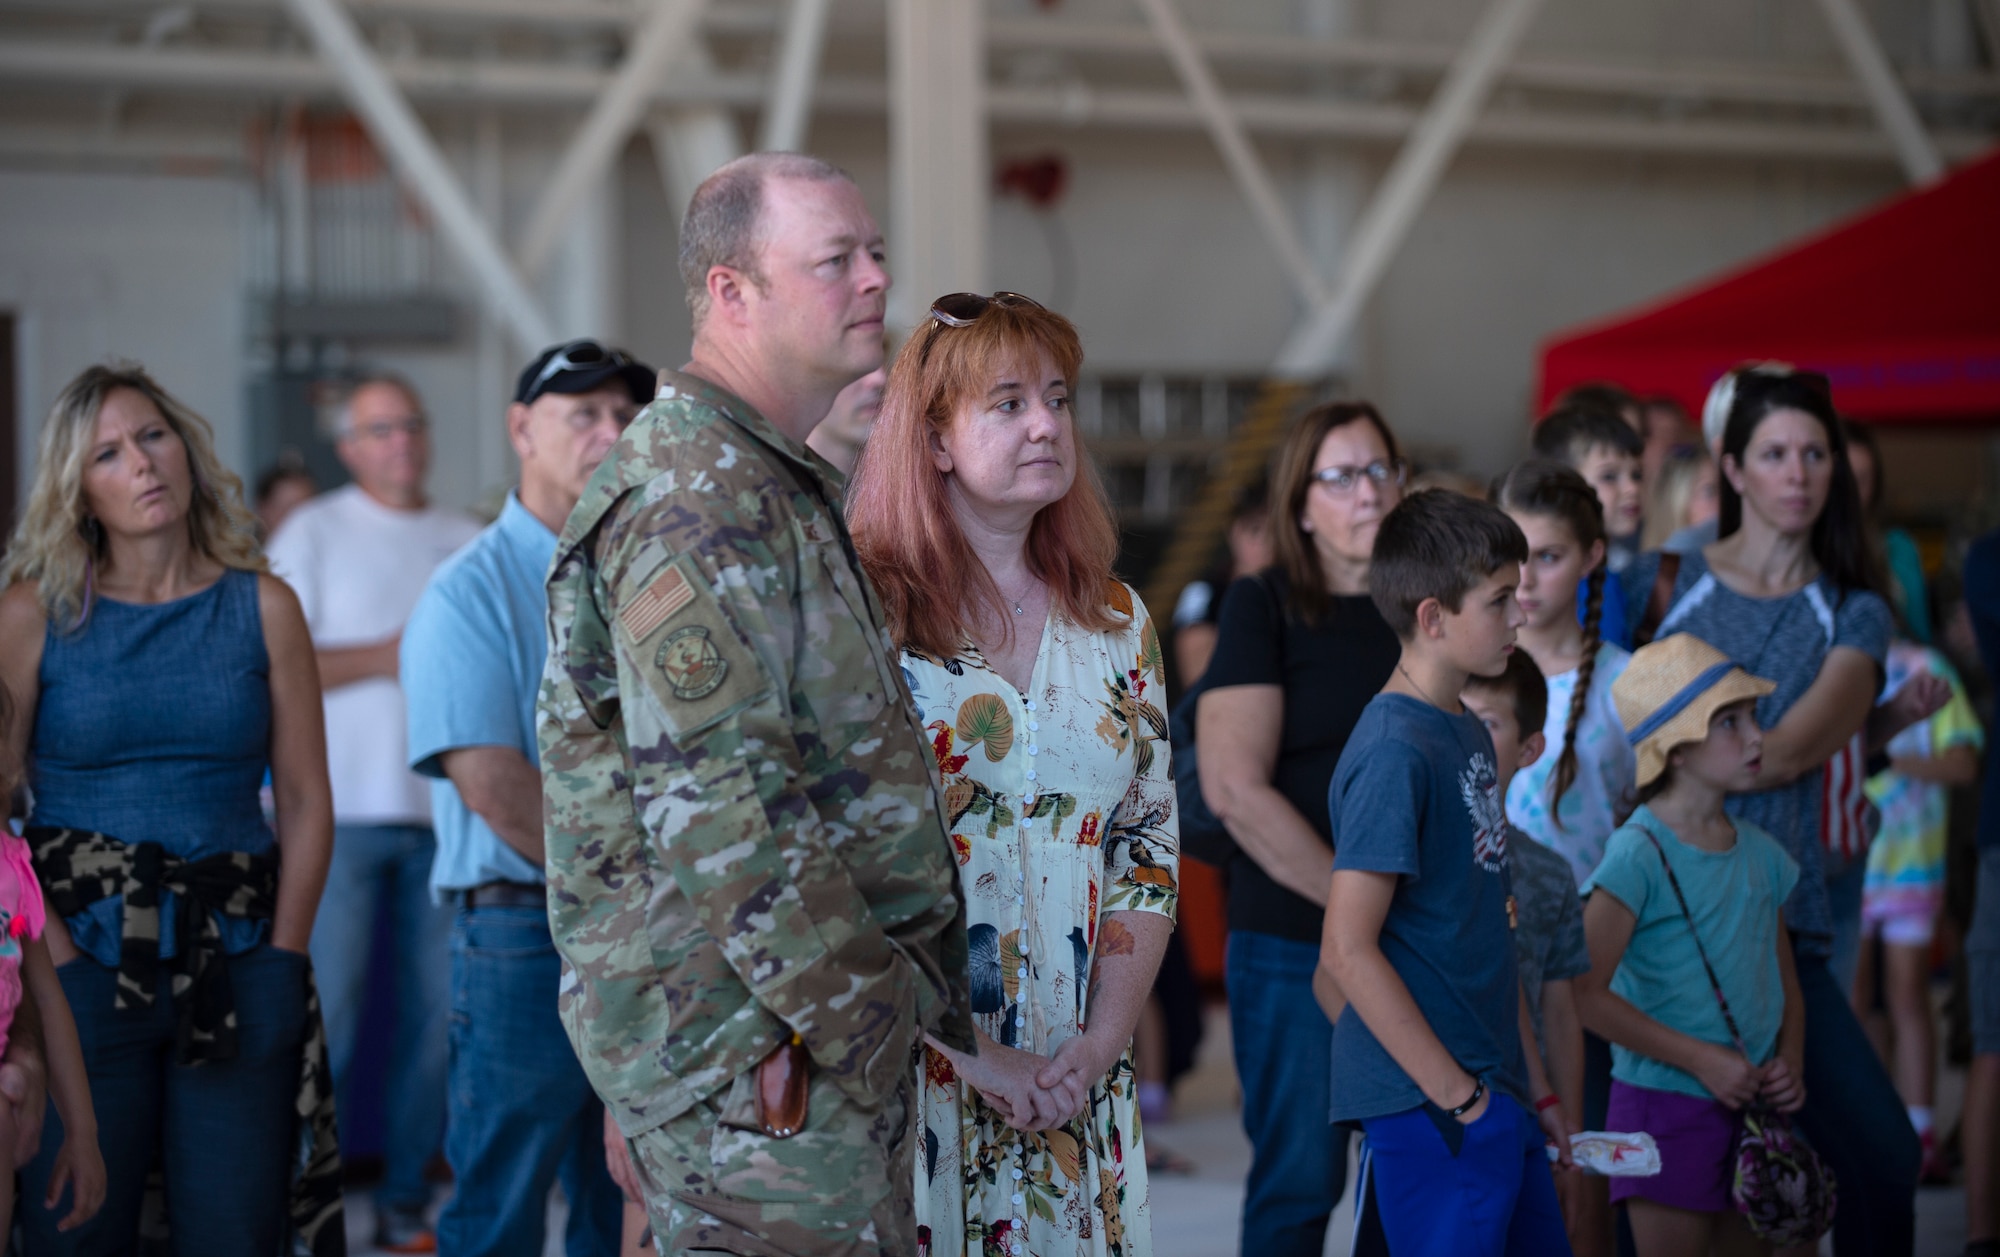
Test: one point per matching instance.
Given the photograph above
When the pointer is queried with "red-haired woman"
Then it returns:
(1039, 677)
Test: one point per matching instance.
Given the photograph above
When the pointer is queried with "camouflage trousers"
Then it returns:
(842, 1187)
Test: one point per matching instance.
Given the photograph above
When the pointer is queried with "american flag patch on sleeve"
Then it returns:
(656, 603)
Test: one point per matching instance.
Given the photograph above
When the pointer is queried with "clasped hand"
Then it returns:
(1032, 1092)
(1735, 1082)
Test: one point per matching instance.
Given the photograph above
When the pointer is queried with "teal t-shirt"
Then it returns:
(1734, 896)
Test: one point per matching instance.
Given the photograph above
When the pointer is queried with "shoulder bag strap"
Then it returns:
(1660, 601)
(1714, 984)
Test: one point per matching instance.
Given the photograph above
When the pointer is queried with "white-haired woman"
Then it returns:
(159, 670)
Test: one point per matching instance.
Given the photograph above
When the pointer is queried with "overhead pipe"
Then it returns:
(539, 87)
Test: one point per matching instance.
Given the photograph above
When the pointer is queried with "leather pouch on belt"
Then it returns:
(782, 1089)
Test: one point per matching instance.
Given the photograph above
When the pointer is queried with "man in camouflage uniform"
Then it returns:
(745, 846)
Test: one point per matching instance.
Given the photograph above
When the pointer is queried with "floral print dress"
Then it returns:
(1062, 809)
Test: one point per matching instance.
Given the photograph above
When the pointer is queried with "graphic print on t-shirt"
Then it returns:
(1480, 786)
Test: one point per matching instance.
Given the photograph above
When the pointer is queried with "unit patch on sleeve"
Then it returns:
(694, 668)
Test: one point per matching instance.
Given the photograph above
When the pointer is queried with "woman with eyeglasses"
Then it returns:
(1788, 591)
(1038, 675)
(1300, 651)
(160, 669)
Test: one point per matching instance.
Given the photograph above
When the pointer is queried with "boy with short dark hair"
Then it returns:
(1428, 1056)
(1609, 453)
(1548, 931)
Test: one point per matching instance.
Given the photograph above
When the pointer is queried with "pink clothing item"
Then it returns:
(24, 918)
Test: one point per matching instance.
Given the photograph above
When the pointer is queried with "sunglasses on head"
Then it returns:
(963, 309)
(960, 309)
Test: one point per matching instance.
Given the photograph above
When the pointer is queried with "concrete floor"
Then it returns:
(1196, 1215)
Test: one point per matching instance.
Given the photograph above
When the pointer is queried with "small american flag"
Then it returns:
(656, 603)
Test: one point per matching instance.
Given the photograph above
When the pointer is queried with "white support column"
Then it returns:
(1237, 154)
(1408, 184)
(939, 172)
(655, 44)
(394, 127)
(788, 109)
(495, 368)
(1893, 110)
(691, 141)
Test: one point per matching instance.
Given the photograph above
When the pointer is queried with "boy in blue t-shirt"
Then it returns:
(1428, 1055)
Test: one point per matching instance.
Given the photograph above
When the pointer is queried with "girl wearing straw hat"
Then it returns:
(1684, 885)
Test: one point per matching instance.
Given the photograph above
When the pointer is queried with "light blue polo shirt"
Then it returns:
(472, 659)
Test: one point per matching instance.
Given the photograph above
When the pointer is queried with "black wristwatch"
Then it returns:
(1478, 1091)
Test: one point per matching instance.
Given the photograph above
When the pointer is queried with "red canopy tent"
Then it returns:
(1900, 307)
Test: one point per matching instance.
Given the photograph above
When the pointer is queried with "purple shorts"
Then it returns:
(1697, 1139)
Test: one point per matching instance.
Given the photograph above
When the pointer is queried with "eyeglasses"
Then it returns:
(575, 356)
(411, 425)
(1342, 480)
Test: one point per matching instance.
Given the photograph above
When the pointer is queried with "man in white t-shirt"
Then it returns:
(358, 557)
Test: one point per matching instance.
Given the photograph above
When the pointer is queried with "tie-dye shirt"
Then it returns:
(1906, 862)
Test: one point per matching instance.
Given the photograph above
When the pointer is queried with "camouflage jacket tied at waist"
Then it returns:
(744, 836)
(77, 868)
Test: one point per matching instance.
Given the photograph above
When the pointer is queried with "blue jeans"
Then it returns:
(522, 1113)
(1283, 1045)
(392, 862)
(1492, 1196)
(1844, 894)
(223, 1130)
(1857, 1123)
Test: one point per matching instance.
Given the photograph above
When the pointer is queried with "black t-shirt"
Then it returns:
(1328, 673)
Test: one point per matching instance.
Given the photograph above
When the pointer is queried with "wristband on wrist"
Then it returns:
(1478, 1090)
(1547, 1102)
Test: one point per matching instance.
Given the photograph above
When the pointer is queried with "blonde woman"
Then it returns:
(159, 671)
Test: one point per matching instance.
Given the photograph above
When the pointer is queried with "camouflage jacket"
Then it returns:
(744, 836)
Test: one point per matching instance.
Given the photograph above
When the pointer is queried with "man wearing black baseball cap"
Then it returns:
(521, 1111)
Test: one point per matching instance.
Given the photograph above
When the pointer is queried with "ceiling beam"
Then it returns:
(401, 137)
(538, 86)
(612, 117)
(1226, 130)
(1748, 83)
(788, 111)
(1408, 184)
(1898, 118)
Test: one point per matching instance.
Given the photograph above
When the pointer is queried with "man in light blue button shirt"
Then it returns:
(522, 1114)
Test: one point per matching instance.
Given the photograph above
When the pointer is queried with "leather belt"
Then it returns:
(507, 895)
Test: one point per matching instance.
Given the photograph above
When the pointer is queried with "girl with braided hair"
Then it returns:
(1569, 802)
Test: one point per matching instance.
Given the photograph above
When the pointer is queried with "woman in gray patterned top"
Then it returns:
(1788, 591)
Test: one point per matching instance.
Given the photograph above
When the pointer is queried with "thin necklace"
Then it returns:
(1418, 688)
(1018, 608)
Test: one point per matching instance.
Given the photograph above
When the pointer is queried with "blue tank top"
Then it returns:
(154, 725)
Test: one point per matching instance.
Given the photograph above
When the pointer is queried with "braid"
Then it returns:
(1579, 699)
(1541, 486)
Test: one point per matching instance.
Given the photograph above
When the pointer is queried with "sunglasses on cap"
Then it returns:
(578, 355)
